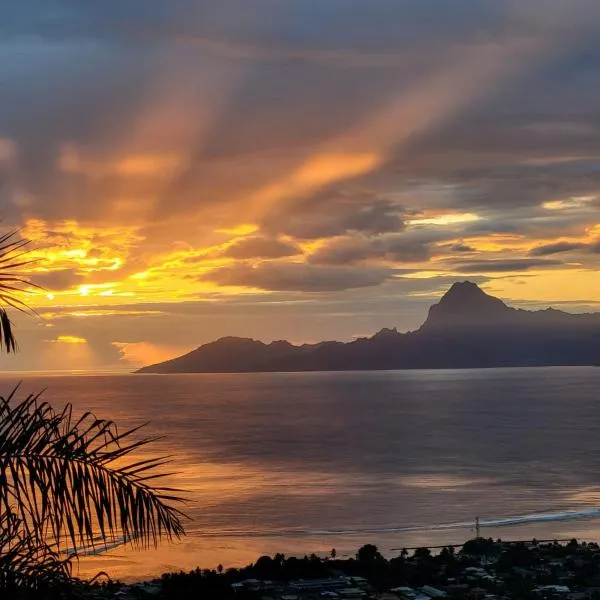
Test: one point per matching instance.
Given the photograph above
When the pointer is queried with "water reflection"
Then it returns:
(268, 460)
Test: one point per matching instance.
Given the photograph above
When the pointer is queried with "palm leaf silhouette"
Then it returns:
(13, 257)
(26, 564)
(63, 479)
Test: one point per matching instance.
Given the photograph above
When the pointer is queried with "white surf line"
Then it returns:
(100, 548)
(555, 516)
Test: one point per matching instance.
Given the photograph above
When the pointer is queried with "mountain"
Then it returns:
(467, 328)
(465, 304)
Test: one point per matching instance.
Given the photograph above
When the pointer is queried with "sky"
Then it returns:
(291, 169)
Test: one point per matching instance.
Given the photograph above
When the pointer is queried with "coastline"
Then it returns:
(479, 568)
(207, 552)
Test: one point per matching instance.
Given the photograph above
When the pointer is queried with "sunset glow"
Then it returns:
(191, 186)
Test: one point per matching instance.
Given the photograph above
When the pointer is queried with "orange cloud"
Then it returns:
(468, 76)
(138, 354)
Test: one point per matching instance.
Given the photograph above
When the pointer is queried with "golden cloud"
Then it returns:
(69, 339)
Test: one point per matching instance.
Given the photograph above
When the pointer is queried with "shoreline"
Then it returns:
(480, 568)
(131, 566)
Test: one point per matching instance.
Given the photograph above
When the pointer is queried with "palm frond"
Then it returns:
(26, 563)
(13, 258)
(65, 480)
(7, 337)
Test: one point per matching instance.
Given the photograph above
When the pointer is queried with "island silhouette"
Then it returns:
(467, 328)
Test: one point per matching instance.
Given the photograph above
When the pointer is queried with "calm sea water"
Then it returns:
(301, 463)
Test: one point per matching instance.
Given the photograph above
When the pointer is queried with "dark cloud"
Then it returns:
(260, 247)
(530, 187)
(284, 85)
(297, 277)
(395, 248)
(500, 265)
(533, 222)
(460, 247)
(332, 213)
(58, 280)
(556, 248)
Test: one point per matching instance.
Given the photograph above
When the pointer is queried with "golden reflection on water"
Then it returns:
(209, 481)
(586, 496)
(204, 486)
(192, 552)
(443, 482)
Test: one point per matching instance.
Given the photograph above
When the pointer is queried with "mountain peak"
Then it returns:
(467, 328)
(386, 332)
(464, 286)
(464, 302)
(464, 291)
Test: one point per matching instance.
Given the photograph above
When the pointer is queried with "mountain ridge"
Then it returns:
(467, 328)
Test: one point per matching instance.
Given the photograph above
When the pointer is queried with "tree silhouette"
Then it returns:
(368, 554)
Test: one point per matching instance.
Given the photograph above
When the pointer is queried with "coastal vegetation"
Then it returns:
(480, 569)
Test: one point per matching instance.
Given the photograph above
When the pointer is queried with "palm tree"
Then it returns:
(64, 485)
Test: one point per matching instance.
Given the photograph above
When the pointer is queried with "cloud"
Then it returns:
(270, 122)
(138, 144)
(346, 58)
(139, 354)
(501, 265)
(69, 339)
(460, 247)
(556, 248)
(297, 277)
(332, 213)
(8, 153)
(533, 222)
(394, 248)
(59, 280)
(260, 247)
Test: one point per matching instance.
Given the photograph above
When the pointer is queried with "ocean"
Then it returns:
(306, 462)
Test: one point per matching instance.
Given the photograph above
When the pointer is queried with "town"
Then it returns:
(480, 569)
